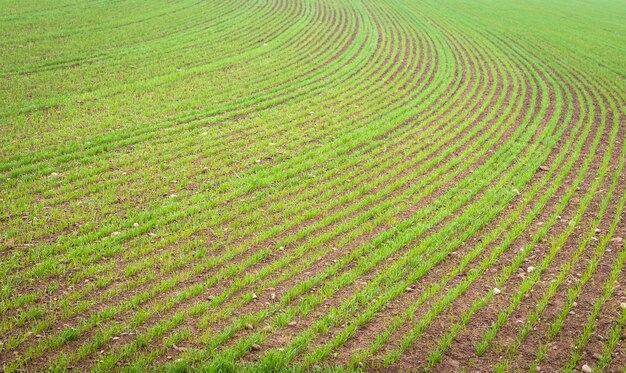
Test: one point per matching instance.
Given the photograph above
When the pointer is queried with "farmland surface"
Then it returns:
(313, 184)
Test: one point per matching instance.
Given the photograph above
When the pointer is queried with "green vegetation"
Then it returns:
(312, 185)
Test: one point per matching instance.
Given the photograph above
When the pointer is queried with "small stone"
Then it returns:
(623, 305)
(173, 195)
(454, 364)
(273, 296)
(516, 192)
(597, 356)
(292, 323)
(115, 234)
(537, 368)
(256, 347)
(115, 338)
(543, 168)
(530, 269)
(249, 326)
(574, 304)
(281, 248)
(496, 291)
(409, 289)
(254, 296)
(594, 239)
(617, 239)
(136, 225)
(257, 161)
(587, 369)
(598, 230)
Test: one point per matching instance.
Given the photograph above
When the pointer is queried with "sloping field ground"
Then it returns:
(313, 184)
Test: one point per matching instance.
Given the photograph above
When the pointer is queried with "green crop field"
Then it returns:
(313, 185)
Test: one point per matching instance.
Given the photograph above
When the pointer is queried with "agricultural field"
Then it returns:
(304, 185)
